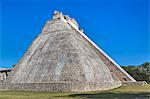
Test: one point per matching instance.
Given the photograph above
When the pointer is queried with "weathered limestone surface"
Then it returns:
(2, 76)
(57, 87)
(60, 54)
(138, 83)
(60, 59)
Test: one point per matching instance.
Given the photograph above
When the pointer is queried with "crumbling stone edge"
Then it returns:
(137, 83)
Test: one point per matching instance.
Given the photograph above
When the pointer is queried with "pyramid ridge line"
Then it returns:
(88, 39)
(59, 16)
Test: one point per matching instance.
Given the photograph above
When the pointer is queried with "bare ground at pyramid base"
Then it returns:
(58, 87)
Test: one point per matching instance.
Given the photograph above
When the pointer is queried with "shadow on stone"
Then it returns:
(110, 96)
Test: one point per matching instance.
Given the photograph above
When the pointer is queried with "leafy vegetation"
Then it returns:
(140, 73)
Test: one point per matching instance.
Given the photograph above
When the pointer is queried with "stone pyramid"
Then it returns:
(63, 58)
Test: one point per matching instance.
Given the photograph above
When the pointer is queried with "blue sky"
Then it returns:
(119, 27)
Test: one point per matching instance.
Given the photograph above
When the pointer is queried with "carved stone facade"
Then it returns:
(4, 73)
(3, 76)
(63, 58)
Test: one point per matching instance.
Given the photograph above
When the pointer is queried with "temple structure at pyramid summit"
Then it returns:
(63, 58)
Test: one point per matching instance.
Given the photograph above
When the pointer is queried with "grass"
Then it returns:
(128, 92)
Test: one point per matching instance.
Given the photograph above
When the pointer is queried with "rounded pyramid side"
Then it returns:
(60, 55)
